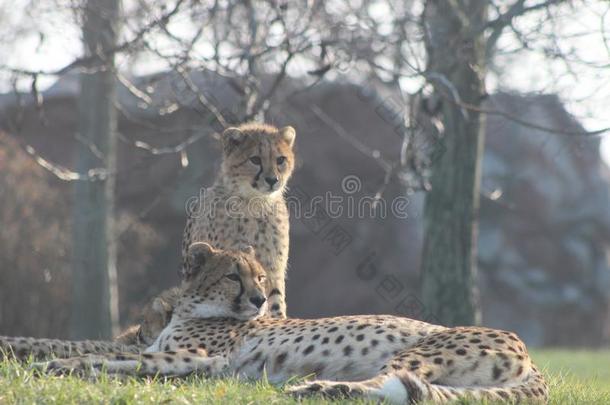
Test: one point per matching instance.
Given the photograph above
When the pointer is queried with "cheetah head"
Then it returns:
(157, 314)
(221, 283)
(258, 159)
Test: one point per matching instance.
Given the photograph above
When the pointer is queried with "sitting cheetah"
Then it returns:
(155, 316)
(246, 203)
(217, 329)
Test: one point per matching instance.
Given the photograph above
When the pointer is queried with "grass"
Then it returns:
(576, 377)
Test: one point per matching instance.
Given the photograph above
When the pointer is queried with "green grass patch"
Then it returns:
(576, 377)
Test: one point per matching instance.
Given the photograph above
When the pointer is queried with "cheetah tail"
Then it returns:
(531, 388)
(23, 348)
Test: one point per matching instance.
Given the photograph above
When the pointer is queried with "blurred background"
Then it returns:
(473, 135)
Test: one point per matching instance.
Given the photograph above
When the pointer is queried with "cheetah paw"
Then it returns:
(214, 366)
(60, 367)
(328, 389)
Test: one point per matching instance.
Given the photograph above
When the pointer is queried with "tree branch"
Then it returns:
(93, 61)
(498, 25)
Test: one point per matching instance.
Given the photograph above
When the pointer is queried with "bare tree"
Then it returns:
(443, 51)
(456, 68)
(95, 290)
(437, 54)
(243, 53)
(461, 39)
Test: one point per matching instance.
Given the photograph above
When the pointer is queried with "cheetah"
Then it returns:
(217, 330)
(239, 208)
(246, 203)
(155, 316)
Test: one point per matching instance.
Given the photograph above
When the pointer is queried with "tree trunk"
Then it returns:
(456, 68)
(95, 298)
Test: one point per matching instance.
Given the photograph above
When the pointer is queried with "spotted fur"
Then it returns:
(216, 330)
(24, 348)
(155, 316)
(246, 206)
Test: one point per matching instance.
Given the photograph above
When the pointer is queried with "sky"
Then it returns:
(585, 91)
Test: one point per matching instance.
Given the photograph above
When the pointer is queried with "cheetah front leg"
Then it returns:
(182, 363)
(90, 365)
(345, 389)
(277, 297)
(169, 364)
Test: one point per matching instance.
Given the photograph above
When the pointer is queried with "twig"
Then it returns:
(507, 115)
(89, 62)
(339, 130)
(201, 98)
(155, 150)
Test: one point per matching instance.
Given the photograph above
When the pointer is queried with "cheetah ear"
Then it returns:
(247, 249)
(197, 256)
(231, 138)
(162, 307)
(288, 134)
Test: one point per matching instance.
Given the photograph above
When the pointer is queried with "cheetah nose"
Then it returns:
(271, 180)
(258, 301)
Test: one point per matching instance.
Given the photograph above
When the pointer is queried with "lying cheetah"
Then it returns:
(246, 203)
(216, 329)
(155, 316)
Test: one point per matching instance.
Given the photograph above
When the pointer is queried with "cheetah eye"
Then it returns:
(281, 160)
(261, 278)
(256, 160)
(232, 277)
